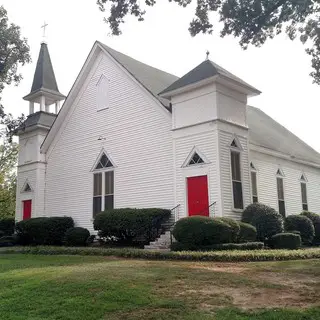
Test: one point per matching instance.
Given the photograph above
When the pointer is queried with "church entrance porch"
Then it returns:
(197, 194)
(27, 205)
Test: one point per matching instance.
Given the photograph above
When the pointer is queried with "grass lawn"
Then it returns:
(85, 287)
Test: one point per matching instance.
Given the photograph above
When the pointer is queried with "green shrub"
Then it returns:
(286, 241)
(218, 256)
(315, 218)
(248, 233)
(303, 225)
(178, 246)
(77, 236)
(43, 230)
(7, 226)
(266, 220)
(129, 226)
(202, 231)
(8, 241)
(234, 227)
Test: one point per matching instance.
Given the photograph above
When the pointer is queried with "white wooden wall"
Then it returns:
(267, 167)
(137, 138)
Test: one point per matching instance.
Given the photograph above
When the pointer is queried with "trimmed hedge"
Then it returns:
(315, 218)
(7, 226)
(303, 225)
(8, 241)
(77, 237)
(234, 227)
(266, 220)
(219, 256)
(202, 231)
(248, 233)
(43, 231)
(128, 226)
(178, 246)
(286, 241)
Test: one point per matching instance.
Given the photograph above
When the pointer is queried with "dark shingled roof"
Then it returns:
(154, 80)
(44, 77)
(41, 118)
(204, 70)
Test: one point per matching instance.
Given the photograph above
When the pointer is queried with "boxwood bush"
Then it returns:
(286, 241)
(302, 224)
(178, 246)
(7, 226)
(131, 226)
(77, 236)
(248, 233)
(202, 231)
(315, 218)
(43, 230)
(266, 220)
(8, 241)
(234, 227)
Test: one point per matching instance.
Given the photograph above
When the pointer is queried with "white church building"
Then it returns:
(130, 135)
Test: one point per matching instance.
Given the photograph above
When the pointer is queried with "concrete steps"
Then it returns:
(162, 243)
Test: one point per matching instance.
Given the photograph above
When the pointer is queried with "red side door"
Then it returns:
(198, 201)
(27, 205)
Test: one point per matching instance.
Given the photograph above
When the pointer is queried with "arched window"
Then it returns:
(103, 184)
(280, 191)
(254, 184)
(236, 176)
(304, 198)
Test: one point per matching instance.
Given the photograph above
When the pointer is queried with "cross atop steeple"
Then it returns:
(44, 30)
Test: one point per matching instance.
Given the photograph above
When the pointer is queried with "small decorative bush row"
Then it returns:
(128, 226)
(178, 246)
(303, 225)
(199, 231)
(7, 226)
(219, 256)
(247, 232)
(77, 237)
(315, 218)
(266, 220)
(43, 231)
(286, 241)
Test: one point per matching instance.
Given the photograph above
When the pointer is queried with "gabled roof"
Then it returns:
(44, 78)
(268, 133)
(205, 70)
(263, 130)
(153, 79)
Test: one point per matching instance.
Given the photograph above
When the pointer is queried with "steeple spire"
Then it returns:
(44, 88)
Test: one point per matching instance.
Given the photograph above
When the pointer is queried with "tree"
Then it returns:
(252, 21)
(8, 160)
(14, 51)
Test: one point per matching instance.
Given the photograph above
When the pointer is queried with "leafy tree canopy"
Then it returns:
(14, 51)
(252, 21)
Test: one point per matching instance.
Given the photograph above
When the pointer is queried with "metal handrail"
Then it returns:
(207, 209)
(175, 213)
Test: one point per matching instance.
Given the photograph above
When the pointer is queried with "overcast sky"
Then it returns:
(280, 69)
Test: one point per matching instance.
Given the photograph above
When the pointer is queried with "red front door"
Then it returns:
(198, 201)
(27, 205)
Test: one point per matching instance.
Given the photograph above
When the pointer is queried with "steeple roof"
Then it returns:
(44, 79)
(205, 70)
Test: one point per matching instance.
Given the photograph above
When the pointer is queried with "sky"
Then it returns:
(280, 68)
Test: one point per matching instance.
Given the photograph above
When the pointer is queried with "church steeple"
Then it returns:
(44, 88)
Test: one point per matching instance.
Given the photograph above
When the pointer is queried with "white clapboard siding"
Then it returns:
(267, 167)
(206, 143)
(137, 137)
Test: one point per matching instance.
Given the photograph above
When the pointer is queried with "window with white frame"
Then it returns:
(236, 175)
(102, 93)
(303, 186)
(195, 159)
(280, 191)
(254, 185)
(103, 185)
